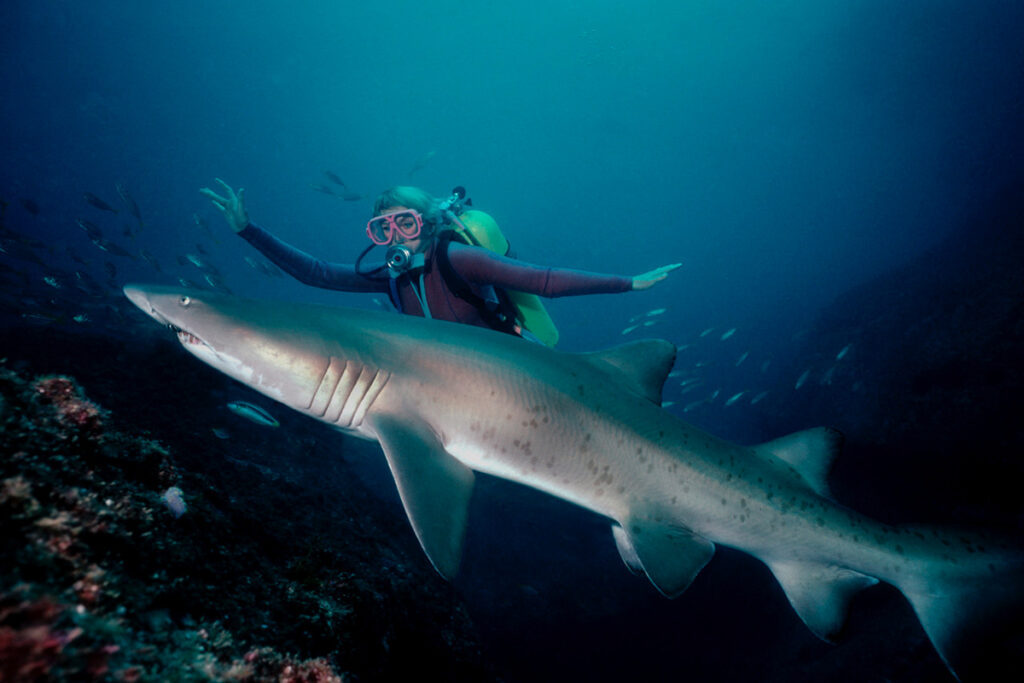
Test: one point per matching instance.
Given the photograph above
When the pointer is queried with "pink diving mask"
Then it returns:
(406, 223)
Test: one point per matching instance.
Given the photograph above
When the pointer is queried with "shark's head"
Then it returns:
(255, 342)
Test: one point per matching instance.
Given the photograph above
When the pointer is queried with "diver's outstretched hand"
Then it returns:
(232, 205)
(651, 278)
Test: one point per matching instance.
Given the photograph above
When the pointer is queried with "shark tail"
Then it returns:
(966, 589)
(972, 608)
(968, 597)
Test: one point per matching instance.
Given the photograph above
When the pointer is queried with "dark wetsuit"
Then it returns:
(479, 267)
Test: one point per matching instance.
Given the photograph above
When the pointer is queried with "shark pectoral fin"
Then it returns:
(820, 594)
(435, 488)
(671, 557)
(642, 366)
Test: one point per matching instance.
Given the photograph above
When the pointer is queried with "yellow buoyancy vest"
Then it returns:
(478, 228)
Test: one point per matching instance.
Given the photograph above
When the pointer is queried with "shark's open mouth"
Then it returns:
(186, 337)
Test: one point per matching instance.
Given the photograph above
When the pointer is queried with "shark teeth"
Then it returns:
(186, 337)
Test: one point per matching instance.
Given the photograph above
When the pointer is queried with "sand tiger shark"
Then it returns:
(447, 400)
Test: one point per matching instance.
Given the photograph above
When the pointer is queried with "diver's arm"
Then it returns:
(484, 267)
(307, 269)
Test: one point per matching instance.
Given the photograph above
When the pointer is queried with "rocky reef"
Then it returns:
(244, 574)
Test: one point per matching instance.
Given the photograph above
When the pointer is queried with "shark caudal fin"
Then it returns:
(972, 608)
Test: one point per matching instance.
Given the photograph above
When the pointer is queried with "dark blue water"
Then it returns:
(784, 152)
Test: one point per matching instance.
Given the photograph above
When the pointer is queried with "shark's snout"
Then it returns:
(138, 296)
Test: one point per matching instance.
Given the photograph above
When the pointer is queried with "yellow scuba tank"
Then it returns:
(478, 228)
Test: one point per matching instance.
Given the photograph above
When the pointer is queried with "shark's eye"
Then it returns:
(185, 300)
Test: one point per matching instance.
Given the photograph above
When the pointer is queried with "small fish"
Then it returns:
(85, 283)
(91, 229)
(30, 206)
(53, 282)
(655, 311)
(220, 433)
(667, 404)
(148, 257)
(257, 265)
(648, 323)
(421, 163)
(81, 318)
(201, 223)
(765, 365)
(76, 257)
(691, 380)
(95, 201)
(742, 358)
(734, 398)
(41, 318)
(268, 268)
(202, 250)
(842, 353)
(707, 332)
(827, 377)
(333, 177)
(205, 226)
(324, 189)
(202, 264)
(214, 281)
(803, 378)
(758, 398)
(693, 405)
(630, 329)
(675, 373)
(111, 248)
(253, 413)
(688, 388)
(174, 499)
(729, 333)
(129, 202)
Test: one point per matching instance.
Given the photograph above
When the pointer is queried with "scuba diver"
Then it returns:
(444, 260)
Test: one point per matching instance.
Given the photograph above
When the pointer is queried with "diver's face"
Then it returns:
(412, 244)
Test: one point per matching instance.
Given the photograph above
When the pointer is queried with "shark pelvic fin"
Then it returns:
(435, 488)
(643, 365)
(671, 557)
(810, 452)
(820, 594)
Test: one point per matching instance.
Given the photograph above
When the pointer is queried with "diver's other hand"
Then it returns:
(651, 278)
(232, 205)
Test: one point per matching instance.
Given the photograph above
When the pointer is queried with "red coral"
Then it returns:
(33, 648)
(309, 671)
(73, 409)
(29, 646)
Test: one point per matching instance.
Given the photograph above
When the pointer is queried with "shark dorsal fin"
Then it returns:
(642, 366)
(810, 453)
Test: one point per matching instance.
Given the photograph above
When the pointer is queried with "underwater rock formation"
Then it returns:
(99, 580)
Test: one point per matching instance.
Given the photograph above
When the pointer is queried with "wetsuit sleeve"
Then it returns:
(307, 269)
(484, 267)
